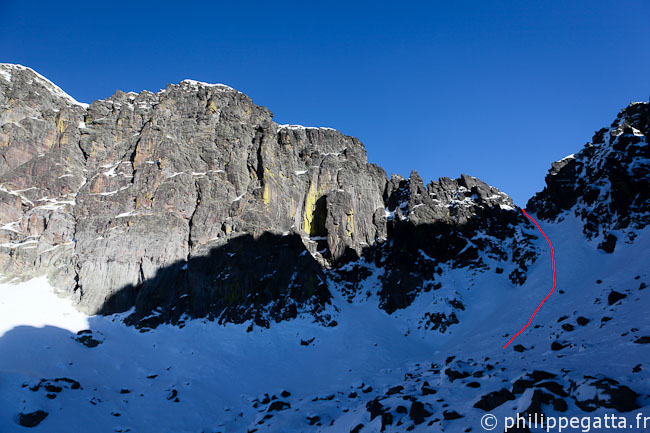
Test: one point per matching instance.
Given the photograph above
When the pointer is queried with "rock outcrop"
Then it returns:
(192, 201)
(607, 184)
(461, 223)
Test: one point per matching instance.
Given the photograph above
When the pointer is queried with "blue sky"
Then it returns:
(497, 90)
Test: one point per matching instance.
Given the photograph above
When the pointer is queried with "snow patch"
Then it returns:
(195, 83)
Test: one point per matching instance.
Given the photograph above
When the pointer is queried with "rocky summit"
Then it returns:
(606, 184)
(176, 262)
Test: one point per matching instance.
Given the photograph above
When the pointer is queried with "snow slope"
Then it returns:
(229, 380)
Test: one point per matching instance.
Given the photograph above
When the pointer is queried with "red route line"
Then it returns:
(549, 294)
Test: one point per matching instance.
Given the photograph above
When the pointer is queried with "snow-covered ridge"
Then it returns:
(301, 127)
(6, 70)
(568, 157)
(605, 183)
(195, 83)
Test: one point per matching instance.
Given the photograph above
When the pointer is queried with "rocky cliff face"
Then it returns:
(607, 184)
(192, 201)
(42, 170)
(449, 224)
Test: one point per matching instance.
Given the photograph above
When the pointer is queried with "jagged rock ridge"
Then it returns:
(607, 183)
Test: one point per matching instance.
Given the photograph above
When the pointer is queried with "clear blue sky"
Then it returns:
(497, 90)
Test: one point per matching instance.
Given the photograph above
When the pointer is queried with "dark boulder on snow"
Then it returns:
(395, 390)
(521, 385)
(568, 327)
(32, 419)
(554, 387)
(427, 390)
(556, 345)
(418, 412)
(278, 406)
(88, 338)
(375, 408)
(614, 297)
(454, 375)
(608, 244)
(494, 399)
(313, 420)
(560, 405)
(56, 385)
(451, 415)
(538, 400)
(173, 395)
(538, 375)
(307, 342)
(608, 393)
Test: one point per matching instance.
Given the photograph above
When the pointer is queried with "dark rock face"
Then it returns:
(268, 278)
(447, 224)
(192, 202)
(607, 183)
(453, 221)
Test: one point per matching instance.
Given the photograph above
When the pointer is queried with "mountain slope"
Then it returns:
(341, 377)
(353, 302)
